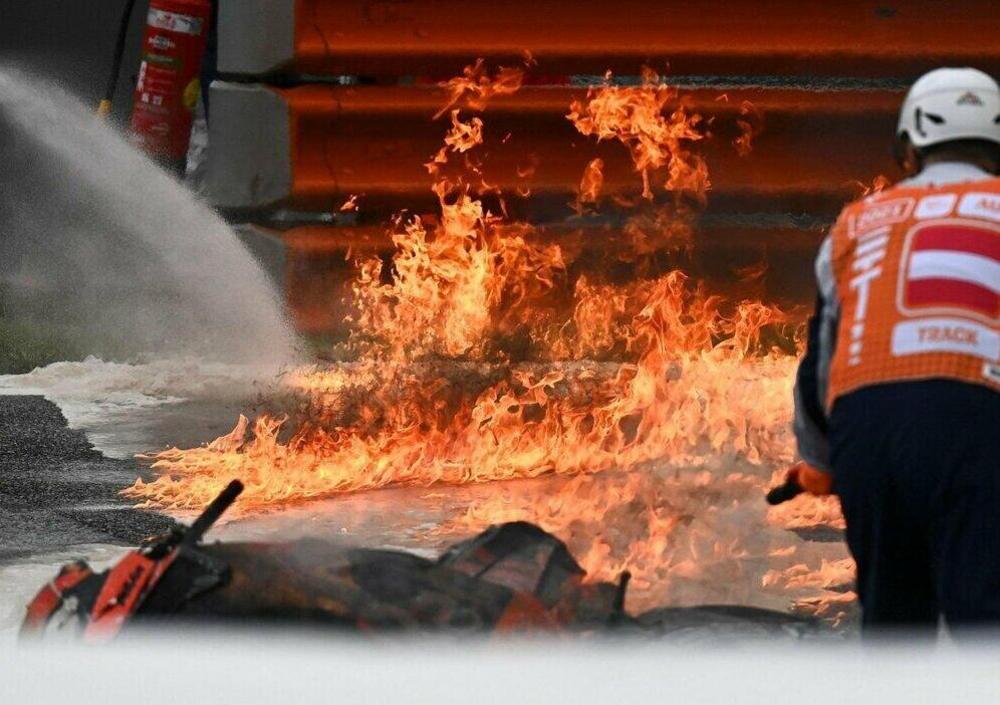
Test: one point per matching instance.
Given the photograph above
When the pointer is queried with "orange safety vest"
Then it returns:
(917, 272)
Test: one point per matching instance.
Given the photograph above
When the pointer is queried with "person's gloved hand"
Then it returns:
(810, 479)
(801, 477)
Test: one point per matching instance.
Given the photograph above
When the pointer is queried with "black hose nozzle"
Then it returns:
(785, 492)
(213, 511)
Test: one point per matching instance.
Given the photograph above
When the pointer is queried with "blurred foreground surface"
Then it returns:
(304, 668)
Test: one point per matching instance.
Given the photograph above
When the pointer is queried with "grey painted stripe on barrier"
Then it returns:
(730, 82)
(285, 219)
(249, 158)
(256, 37)
(766, 221)
(268, 249)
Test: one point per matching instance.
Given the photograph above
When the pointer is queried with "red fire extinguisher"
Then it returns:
(168, 86)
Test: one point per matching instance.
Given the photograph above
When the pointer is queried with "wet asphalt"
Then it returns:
(56, 490)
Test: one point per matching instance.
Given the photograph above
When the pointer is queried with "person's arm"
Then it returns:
(812, 380)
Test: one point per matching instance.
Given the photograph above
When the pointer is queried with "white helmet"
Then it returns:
(951, 104)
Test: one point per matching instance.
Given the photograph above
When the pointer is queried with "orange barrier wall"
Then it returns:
(828, 81)
(782, 37)
(375, 140)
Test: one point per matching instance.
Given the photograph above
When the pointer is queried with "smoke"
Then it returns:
(100, 244)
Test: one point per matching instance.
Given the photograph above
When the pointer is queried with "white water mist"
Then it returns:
(99, 242)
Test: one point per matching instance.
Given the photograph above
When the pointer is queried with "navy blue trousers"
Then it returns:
(917, 468)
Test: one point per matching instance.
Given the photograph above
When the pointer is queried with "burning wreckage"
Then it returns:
(512, 577)
(479, 352)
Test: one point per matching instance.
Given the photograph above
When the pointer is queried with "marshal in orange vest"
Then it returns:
(917, 271)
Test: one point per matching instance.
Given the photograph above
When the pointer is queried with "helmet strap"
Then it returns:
(909, 158)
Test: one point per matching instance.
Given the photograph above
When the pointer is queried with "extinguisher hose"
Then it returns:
(116, 64)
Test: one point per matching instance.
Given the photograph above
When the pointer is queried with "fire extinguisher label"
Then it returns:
(174, 22)
(168, 62)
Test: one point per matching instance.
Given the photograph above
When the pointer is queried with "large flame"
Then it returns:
(699, 388)
(471, 367)
(658, 136)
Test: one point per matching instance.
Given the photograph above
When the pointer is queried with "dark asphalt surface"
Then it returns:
(56, 490)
